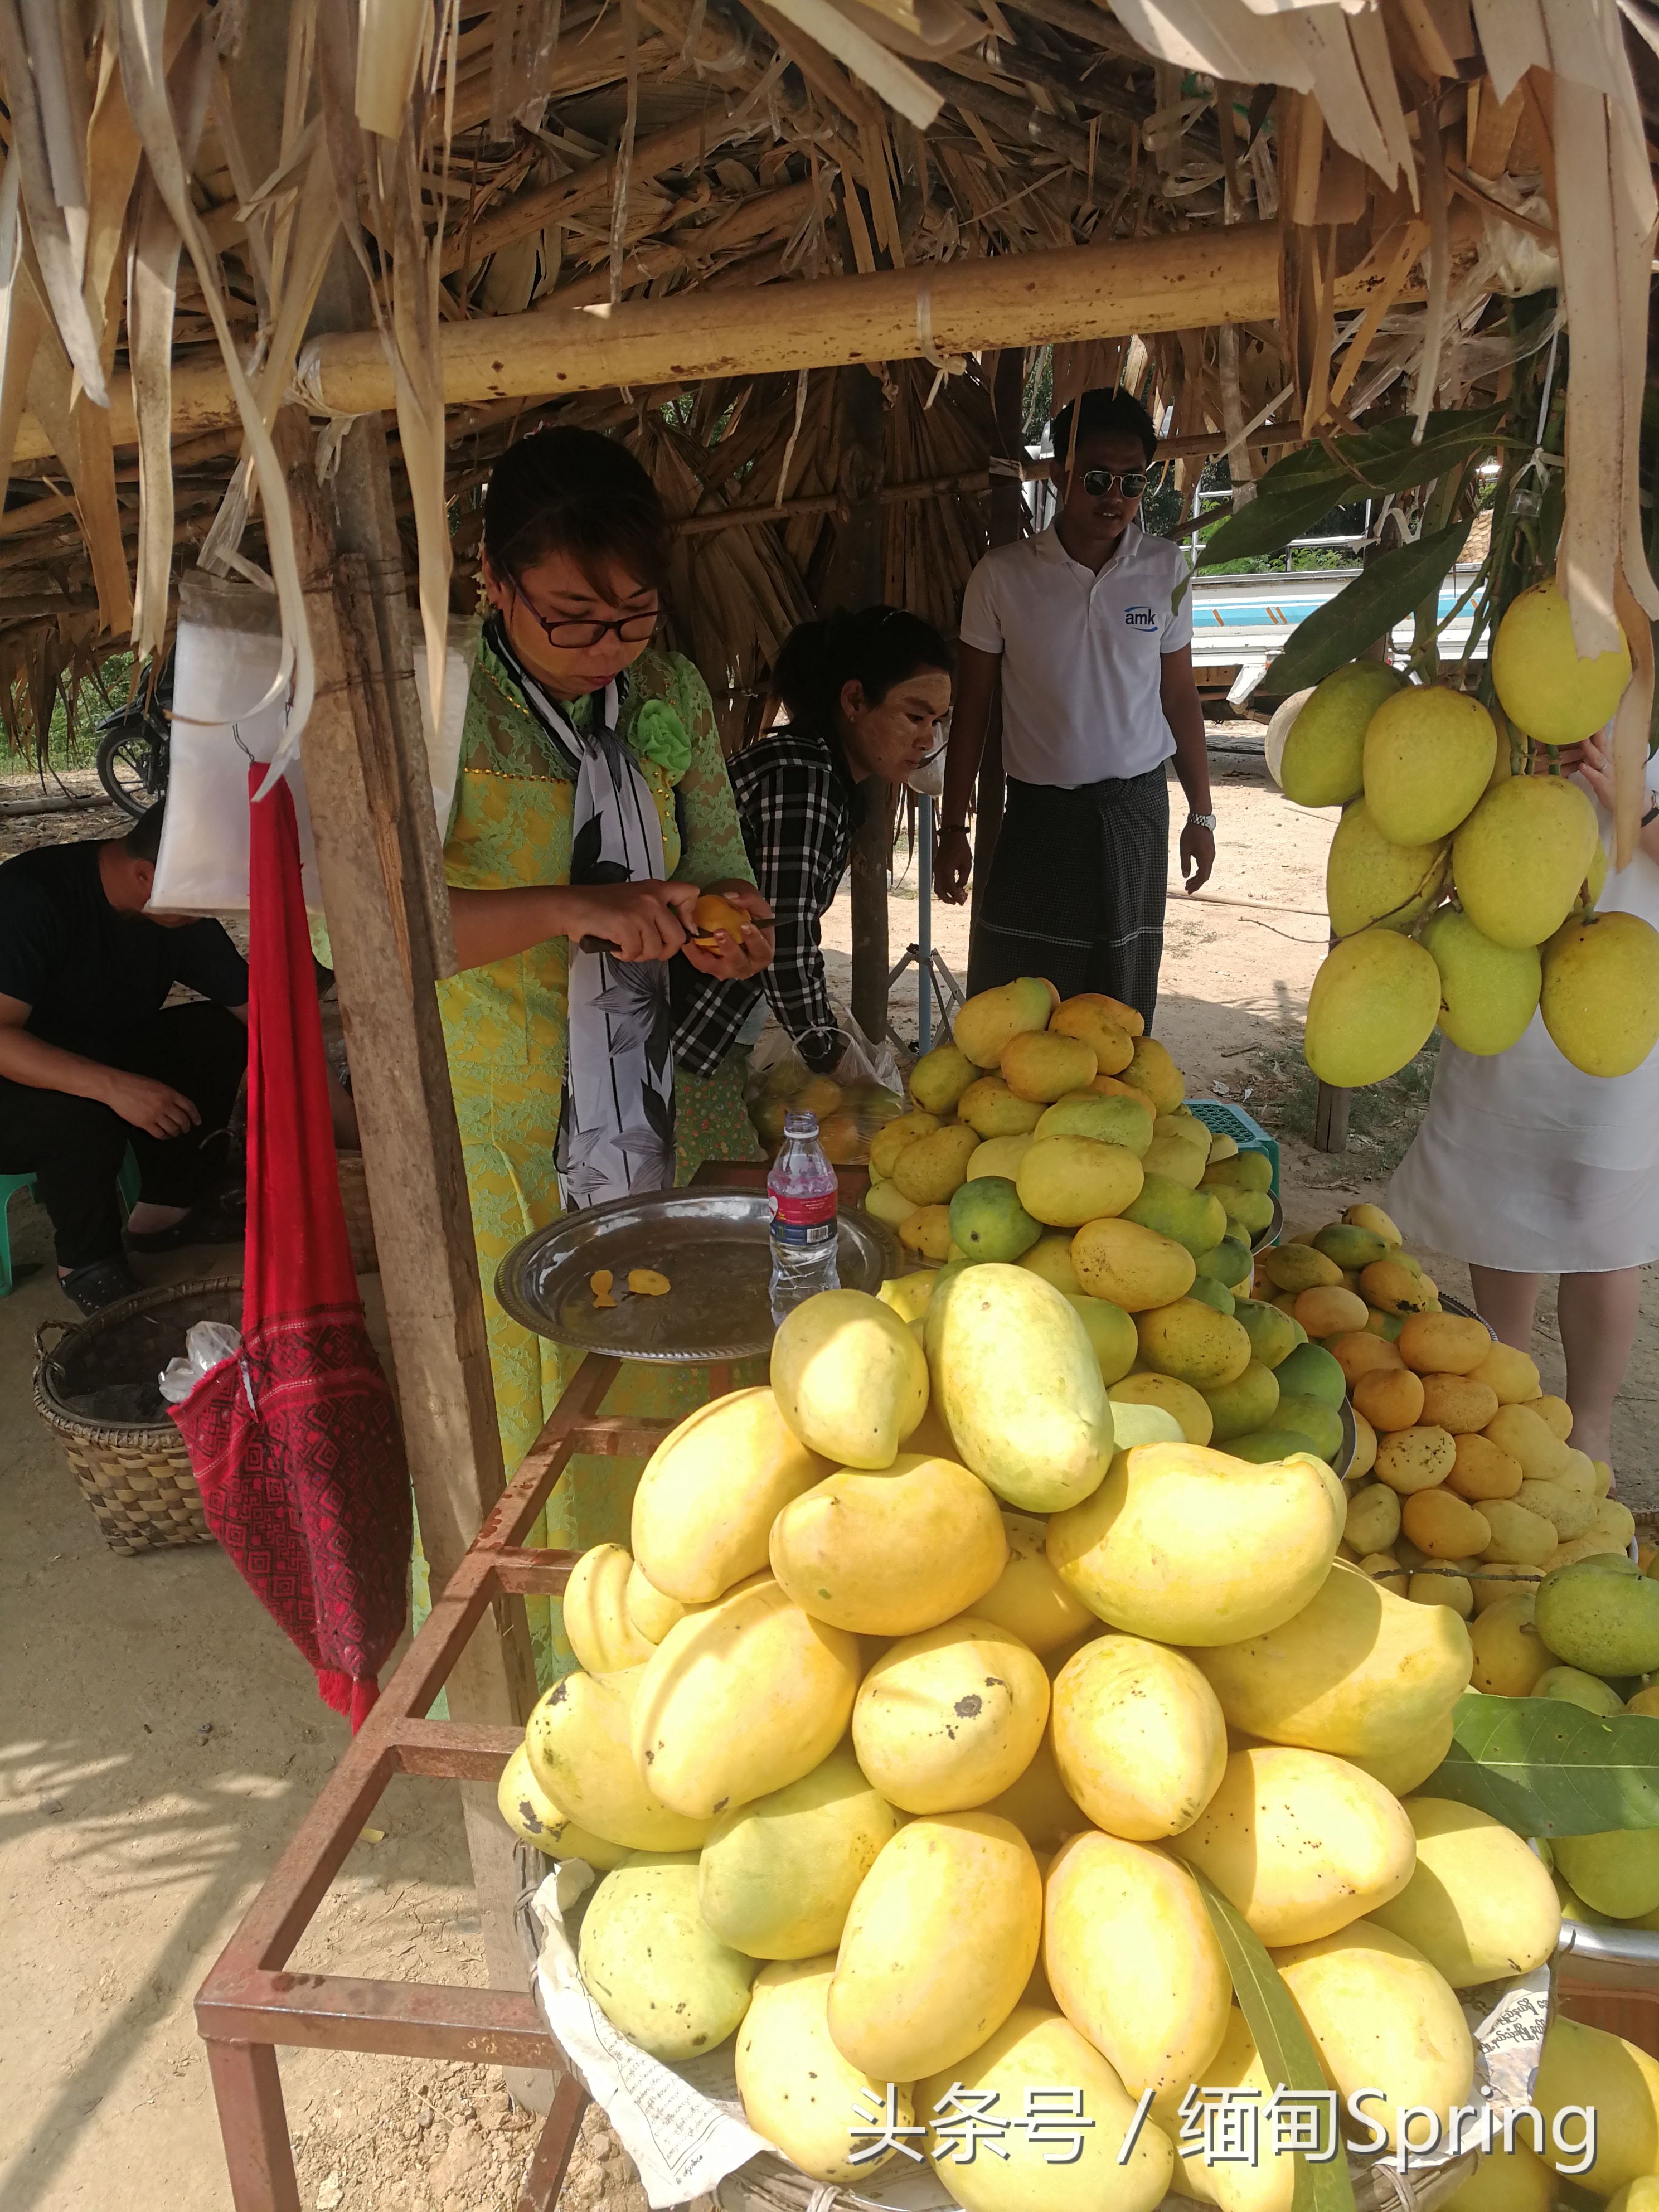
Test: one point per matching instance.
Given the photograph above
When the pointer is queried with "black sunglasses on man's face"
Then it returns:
(1098, 482)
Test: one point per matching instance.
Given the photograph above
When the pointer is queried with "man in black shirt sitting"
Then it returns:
(93, 1059)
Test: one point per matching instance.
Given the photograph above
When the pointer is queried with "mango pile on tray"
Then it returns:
(930, 1684)
(1462, 888)
(1472, 1487)
(1073, 1155)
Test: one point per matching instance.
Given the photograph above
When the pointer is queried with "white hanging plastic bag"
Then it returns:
(206, 1344)
(863, 1091)
(228, 647)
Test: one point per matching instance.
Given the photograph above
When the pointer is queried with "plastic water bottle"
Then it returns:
(803, 1189)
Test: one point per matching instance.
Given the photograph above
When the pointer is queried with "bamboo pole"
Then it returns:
(1184, 281)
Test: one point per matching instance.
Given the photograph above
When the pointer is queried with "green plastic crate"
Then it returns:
(1219, 1115)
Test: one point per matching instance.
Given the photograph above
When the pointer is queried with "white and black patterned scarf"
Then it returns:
(616, 1119)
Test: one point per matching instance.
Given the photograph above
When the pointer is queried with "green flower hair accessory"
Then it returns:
(659, 734)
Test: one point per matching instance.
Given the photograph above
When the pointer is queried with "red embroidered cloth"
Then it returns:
(294, 1441)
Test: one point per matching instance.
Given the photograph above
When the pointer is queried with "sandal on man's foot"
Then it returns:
(212, 1221)
(100, 1283)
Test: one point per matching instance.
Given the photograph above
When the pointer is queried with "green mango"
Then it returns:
(1574, 1687)
(1244, 1171)
(1312, 1418)
(1352, 1248)
(1195, 1218)
(1111, 1121)
(1248, 1402)
(1228, 1262)
(1253, 1210)
(1311, 1372)
(989, 1223)
(1112, 1333)
(1262, 1445)
(1273, 1334)
(1605, 1622)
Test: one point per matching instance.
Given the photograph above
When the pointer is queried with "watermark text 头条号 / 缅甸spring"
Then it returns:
(1221, 2127)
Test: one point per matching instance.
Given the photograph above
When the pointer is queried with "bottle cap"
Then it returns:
(800, 1125)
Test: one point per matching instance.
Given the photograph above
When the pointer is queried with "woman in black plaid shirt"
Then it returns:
(864, 696)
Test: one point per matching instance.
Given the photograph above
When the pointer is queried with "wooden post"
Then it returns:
(381, 867)
(1007, 523)
(372, 821)
(1331, 1105)
(852, 578)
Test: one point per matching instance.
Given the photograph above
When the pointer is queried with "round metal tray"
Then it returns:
(1619, 1957)
(1274, 1229)
(711, 1245)
(1451, 1305)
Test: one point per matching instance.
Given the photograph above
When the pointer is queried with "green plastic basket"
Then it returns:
(1219, 1115)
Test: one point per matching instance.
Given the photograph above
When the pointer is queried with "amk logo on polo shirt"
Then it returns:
(1139, 618)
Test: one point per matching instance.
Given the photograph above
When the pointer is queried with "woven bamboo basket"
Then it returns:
(135, 1474)
(360, 1228)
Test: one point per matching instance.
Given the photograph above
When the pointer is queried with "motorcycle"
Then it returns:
(133, 750)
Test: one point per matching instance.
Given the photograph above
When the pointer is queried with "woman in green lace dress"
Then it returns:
(591, 808)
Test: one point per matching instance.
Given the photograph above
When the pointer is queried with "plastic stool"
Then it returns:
(9, 1186)
(127, 1181)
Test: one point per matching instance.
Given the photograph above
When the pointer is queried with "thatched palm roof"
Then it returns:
(455, 163)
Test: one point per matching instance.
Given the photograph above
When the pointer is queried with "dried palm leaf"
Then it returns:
(139, 28)
(390, 35)
(868, 60)
(23, 318)
(306, 246)
(1436, 194)
(1593, 532)
(52, 169)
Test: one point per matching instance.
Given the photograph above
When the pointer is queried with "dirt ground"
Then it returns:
(166, 1739)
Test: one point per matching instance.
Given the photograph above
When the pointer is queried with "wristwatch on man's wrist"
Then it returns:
(953, 828)
(1201, 822)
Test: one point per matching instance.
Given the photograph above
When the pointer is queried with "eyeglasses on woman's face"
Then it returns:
(565, 636)
(1098, 482)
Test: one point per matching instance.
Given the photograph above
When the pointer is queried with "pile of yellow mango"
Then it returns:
(1472, 1485)
(931, 1684)
(1073, 1155)
(1462, 888)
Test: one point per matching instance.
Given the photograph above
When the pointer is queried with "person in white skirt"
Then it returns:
(1524, 1167)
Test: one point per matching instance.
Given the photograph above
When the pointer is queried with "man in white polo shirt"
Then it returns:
(1098, 693)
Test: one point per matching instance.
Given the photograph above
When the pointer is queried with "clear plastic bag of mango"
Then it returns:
(862, 1092)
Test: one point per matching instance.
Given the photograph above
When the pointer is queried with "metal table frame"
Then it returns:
(250, 2004)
